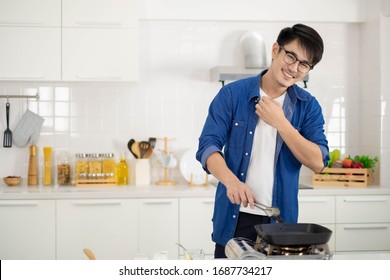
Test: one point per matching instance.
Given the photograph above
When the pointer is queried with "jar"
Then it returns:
(81, 169)
(63, 169)
(108, 165)
(94, 166)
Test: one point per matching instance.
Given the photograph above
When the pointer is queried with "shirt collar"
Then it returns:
(294, 92)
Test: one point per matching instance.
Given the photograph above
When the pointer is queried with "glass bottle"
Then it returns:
(122, 171)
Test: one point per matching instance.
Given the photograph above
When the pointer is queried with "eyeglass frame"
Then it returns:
(296, 59)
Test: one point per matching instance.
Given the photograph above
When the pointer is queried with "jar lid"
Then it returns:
(108, 155)
(81, 155)
(94, 155)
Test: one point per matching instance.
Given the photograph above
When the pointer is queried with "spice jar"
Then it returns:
(63, 169)
(81, 169)
(94, 166)
(108, 165)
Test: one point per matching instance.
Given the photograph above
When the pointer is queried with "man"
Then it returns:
(268, 127)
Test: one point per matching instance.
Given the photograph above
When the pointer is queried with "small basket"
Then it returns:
(347, 177)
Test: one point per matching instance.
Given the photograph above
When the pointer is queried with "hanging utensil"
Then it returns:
(7, 141)
(144, 147)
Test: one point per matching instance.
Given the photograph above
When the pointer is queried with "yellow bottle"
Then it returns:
(47, 166)
(122, 171)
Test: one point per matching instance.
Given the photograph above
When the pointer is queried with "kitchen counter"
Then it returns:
(153, 191)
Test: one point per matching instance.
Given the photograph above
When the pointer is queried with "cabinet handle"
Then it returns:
(97, 203)
(364, 227)
(99, 23)
(157, 202)
(18, 204)
(208, 202)
(365, 199)
(111, 77)
(23, 77)
(314, 201)
(17, 22)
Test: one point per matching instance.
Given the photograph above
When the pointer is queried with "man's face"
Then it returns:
(287, 74)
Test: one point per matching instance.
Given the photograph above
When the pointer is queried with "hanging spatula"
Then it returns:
(7, 141)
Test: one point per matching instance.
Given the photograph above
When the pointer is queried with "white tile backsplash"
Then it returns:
(174, 90)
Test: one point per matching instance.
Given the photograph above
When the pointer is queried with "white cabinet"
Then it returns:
(30, 13)
(98, 54)
(363, 223)
(106, 226)
(84, 40)
(105, 13)
(158, 226)
(27, 229)
(100, 44)
(195, 224)
(319, 210)
(30, 32)
(30, 53)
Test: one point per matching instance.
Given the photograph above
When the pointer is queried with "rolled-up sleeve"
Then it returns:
(216, 127)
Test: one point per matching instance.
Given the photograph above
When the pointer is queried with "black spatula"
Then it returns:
(7, 141)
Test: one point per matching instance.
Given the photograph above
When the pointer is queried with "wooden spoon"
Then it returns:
(144, 147)
(133, 147)
(89, 254)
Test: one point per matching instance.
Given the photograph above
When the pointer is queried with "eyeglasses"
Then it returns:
(290, 58)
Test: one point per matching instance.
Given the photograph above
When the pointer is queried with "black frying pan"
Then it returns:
(293, 234)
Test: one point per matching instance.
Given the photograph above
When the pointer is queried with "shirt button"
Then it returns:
(242, 174)
(236, 124)
(234, 216)
(246, 154)
(250, 132)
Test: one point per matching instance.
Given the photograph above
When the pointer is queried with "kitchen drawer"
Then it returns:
(363, 237)
(363, 209)
(317, 209)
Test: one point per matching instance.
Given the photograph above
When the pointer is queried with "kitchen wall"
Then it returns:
(172, 95)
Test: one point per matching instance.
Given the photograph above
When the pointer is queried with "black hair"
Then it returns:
(307, 37)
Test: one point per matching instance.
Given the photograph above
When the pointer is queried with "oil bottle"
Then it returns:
(122, 171)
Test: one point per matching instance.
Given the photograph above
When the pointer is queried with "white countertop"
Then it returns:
(154, 191)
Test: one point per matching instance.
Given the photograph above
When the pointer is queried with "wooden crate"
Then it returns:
(347, 177)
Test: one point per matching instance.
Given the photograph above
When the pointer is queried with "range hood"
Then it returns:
(232, 73)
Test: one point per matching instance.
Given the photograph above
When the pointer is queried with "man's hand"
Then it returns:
(270, 111)
(240, 194)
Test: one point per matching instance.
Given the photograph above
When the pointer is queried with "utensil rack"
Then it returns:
(205, 184)
(166, 181)
(20, 96)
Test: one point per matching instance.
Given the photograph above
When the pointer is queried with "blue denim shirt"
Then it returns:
(230, 126)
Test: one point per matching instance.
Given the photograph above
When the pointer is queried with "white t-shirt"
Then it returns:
(260, 176)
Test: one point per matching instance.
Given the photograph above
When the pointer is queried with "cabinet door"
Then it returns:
(30, 13)
(106, 226)
(27, 230)
(30, 53)
(363, 209)
(319, 210)
(100, 13)
(363, 237)
(91, 54)
(195, 224)
(158, 226)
